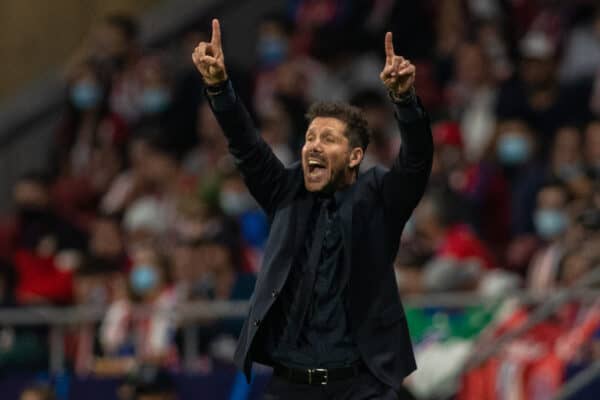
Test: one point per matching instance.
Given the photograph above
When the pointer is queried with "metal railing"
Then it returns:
(190, 316)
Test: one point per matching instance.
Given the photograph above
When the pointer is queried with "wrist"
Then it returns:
(405, 97)
(215, 88)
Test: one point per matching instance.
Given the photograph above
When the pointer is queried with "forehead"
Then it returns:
(551, 196)
(327, 123)
(516, 126)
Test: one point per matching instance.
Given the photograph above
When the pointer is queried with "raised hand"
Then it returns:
(208, 57)
(398, 74)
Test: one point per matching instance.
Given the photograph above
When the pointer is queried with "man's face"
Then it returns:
(327, 158)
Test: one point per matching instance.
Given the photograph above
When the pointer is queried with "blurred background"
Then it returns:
(129, 245)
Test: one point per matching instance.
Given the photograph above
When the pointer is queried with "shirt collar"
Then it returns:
(338, 197)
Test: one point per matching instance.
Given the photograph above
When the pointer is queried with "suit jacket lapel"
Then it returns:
(346, 211)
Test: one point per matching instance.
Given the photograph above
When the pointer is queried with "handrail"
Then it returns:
(198, 310)
(190, 315)
(579, 381)
(545, 310)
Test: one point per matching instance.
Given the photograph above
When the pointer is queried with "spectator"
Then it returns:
(385, 143)
(592, 150)
(516, 148)
(535, 96)
(149, 335)
(46, 244)
(211, 151)
(472, 97)
(551, 221)
(107, 242)
(221, 279)
(86, 110)
(273, 48)
(482, 184)
(566, 161)
(581, 56)
(238, 204)
(458, 257)
(92, 286)
(132, 182)
(114, 42)
(276, 129)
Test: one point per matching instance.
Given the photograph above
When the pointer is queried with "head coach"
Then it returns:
(326, 313)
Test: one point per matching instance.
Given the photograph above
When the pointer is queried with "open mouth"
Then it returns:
(317, 169)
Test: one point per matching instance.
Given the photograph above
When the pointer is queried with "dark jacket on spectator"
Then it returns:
(382, 202)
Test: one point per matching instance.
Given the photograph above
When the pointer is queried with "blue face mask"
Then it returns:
(155, 100)
(85, 95)
(143, 279)
(271, 50)
(513, 149)
(234, 204)
(549, 223)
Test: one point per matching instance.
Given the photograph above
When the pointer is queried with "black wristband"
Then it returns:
(408, 97)
(213, 90)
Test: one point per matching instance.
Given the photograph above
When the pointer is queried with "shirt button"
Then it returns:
(256, 322)
(274, 293)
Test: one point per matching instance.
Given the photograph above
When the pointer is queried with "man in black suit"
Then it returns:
(325, 313)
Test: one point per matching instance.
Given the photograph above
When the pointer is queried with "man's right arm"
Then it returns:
(264, 174)
(266, 177)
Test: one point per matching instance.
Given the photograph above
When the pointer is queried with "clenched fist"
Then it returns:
(208, 58)
(398, 74)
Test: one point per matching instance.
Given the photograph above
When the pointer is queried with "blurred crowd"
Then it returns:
(142, 205)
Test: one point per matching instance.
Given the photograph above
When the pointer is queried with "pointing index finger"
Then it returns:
(389, 48)
(216, 34)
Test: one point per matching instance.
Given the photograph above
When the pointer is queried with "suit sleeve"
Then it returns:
(404, 184)
(265, 176)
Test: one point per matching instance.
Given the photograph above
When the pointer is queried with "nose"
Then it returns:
(314, 145)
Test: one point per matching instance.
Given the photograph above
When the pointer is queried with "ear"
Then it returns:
(356, 156)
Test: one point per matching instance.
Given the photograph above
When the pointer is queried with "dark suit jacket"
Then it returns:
(378, 206)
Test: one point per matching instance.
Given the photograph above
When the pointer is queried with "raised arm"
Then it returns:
(404, 184)
(266, 177)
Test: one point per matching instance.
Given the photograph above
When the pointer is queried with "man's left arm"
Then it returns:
(404, 185)
(406, 181)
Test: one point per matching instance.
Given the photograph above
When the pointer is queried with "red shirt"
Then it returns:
(460, 243)
(39, 277)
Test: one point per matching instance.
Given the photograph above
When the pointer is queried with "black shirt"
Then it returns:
(321, 336)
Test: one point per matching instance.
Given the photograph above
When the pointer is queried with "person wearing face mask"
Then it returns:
(155, 95)
(85, 110)
(551, 222)
(273, 41)
(149, 284)
(237, 203)
(516, 153)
